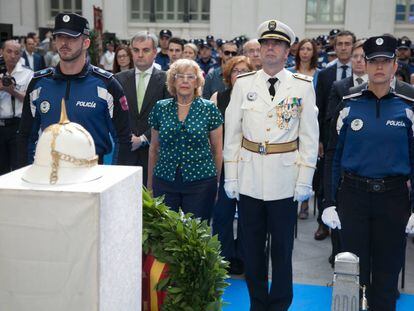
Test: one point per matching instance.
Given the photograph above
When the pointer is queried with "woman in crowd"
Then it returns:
(307, 64)
(306, 60)
(122, 59)
(225, 208)
(185, 154)
(190, 51)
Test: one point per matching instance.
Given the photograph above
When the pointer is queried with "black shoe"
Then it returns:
(236, 266)
(322, 233)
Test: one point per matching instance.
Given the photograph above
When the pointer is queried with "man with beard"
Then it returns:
(93, 97)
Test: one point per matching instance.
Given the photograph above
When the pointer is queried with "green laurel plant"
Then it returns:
(196, 270)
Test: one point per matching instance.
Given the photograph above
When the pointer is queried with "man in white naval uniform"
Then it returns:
(270, 153)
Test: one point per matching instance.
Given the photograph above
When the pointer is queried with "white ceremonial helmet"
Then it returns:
(65, 154)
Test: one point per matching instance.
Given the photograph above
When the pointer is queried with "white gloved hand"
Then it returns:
(302, 192)
(410, 225)
(231, 186)
(330, 218)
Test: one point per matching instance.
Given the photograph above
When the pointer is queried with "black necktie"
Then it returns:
(359, 80)
(272, 90)
(344, 68)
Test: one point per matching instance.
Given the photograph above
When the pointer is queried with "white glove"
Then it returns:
(231, 186)
(302, 192)
(410, 225)
(330, 218)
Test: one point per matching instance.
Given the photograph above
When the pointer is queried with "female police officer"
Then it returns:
(373, 160)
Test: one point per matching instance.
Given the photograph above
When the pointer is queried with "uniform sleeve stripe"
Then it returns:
(105, 95)
(33, 96)
(342, 115)
(410, 116)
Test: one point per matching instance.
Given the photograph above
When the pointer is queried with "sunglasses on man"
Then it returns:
(228, 53)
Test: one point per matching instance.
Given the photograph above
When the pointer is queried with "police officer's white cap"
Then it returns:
(274, 29)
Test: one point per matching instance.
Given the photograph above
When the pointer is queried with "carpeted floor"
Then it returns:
(305, 297)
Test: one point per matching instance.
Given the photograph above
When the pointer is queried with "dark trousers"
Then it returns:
(196, 197)
(257, 218)
(373, 228)
(8, 150)
(223, 217)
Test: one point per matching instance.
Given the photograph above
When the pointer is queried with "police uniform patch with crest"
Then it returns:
(357, 124)
(44, 106)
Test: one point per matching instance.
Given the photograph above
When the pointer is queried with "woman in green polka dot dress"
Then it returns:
(185, 154)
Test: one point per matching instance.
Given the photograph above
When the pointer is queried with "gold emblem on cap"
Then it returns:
(272, 25)
(66, 18)
(379, 41)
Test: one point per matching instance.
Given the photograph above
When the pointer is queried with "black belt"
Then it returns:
(374, 184)
(10, 121)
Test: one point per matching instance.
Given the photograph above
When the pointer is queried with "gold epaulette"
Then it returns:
(303, 77)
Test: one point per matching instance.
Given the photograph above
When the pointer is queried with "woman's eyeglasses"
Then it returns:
(228, 53)
(239, 72)
(182, 77)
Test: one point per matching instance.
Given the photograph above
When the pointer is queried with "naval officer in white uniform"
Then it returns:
(270, 153)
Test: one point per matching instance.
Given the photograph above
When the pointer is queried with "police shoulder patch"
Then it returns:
(353, 95)
(44, 72)
(405, 97)
(303, 77)
(101, 72)
(246, 74)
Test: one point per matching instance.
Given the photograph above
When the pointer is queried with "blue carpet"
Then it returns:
(305, 297)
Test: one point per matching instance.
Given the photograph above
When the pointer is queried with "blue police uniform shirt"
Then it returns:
(93, 98)
(163, 60)
(375, 137)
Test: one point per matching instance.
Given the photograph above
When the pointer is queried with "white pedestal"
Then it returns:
(74, 247)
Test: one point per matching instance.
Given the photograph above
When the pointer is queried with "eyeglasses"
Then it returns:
(239, 72)
(182, 77)
(122, 56)
(228, 53)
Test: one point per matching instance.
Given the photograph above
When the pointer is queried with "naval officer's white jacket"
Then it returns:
(291, 115)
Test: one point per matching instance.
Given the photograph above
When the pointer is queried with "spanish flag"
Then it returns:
(152, 272)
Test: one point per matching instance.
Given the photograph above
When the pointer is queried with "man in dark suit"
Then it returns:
(341, 69)
(143, 87)
(32, 59)
(341, 88)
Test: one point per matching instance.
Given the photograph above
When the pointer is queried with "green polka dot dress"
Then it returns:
(185, 143)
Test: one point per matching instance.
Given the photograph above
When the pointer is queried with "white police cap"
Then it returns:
(274, 29)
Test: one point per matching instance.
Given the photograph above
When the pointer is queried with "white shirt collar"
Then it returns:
(363, 77)
(280, 76)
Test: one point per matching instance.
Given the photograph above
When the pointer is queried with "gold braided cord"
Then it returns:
(78, 162)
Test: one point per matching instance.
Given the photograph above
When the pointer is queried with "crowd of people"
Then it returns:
(252, 125)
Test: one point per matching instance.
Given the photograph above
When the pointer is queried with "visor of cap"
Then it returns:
(68, 32)
(274, 36)
(380, 54)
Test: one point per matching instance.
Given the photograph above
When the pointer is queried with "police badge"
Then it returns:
(357, 124)
(44, 106)
(252, 96)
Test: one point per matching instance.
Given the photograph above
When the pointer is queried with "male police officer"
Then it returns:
(373, 160)
(93, 97)
(270, 152)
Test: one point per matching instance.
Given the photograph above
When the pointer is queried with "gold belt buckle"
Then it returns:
(262, 148)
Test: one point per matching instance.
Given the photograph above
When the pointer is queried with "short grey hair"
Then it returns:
(145, 35)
